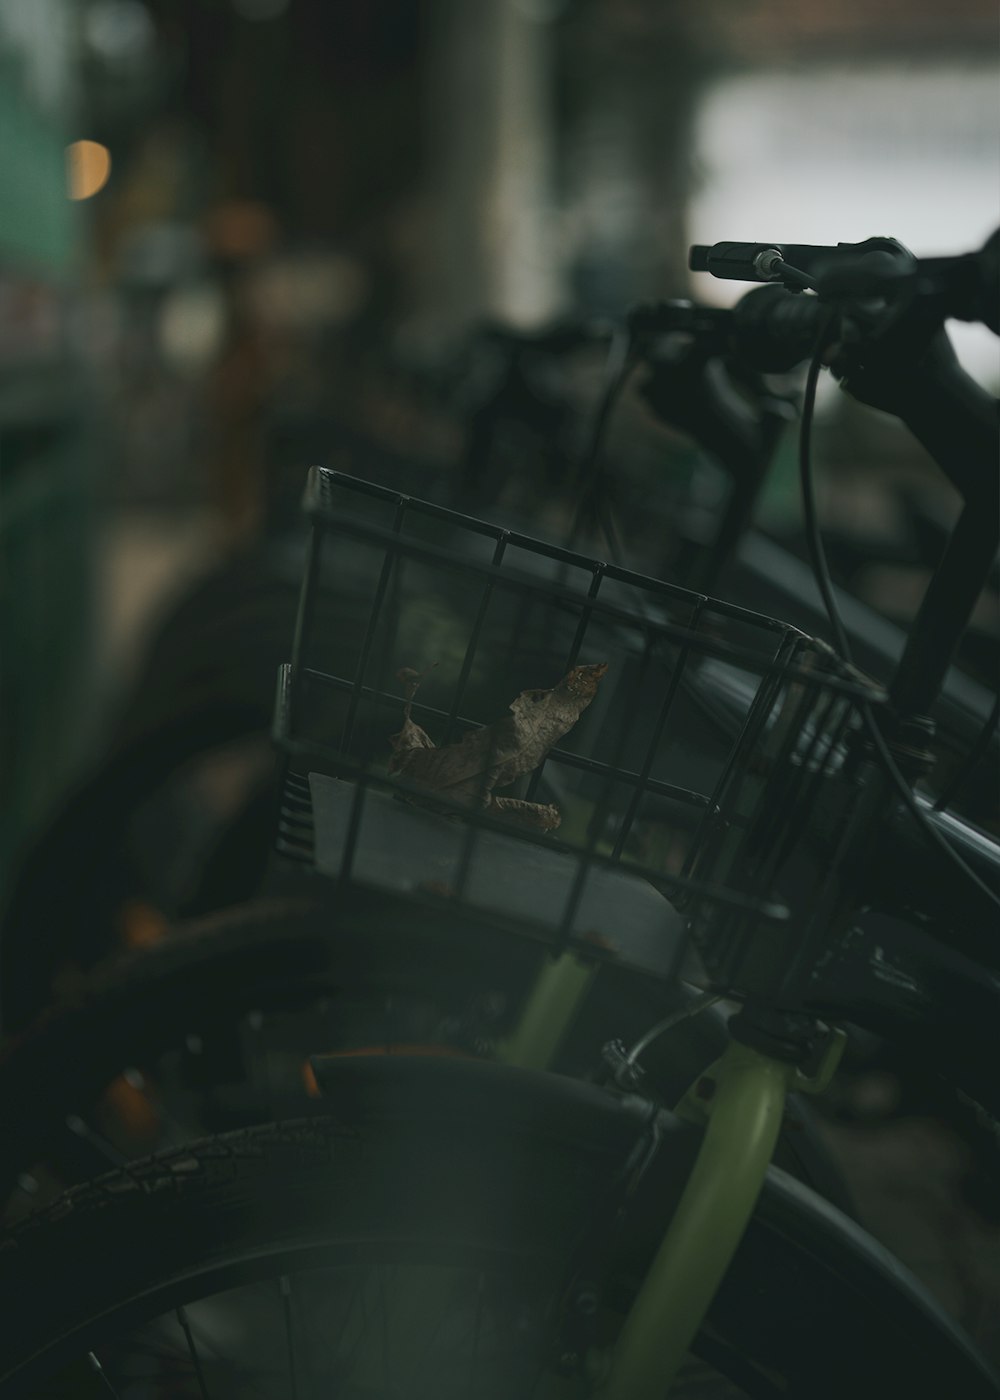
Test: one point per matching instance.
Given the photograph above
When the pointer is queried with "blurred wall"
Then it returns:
(47, 494)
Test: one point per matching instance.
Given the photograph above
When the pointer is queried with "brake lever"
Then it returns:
(767, 262)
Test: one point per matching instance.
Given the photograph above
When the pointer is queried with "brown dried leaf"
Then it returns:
(467, 771)
(411, 736)
(539, 816)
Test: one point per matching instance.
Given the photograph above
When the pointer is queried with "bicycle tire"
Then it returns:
(793, 1316)
(76, 873)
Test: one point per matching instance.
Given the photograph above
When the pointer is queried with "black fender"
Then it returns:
(807, 1282)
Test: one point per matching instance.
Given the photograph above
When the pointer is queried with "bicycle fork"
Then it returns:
(741, 1100)
(742, 1097)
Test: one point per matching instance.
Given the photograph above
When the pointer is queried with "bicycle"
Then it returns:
(136, 1010)
(460, 1132)
(205, 684)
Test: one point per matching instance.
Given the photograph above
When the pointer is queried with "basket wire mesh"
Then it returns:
(707, 786)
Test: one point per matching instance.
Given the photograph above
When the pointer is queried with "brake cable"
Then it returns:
(618, 367)
(821, 570)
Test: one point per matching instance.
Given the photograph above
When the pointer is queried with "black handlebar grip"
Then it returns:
(698, 257)
(774, 330)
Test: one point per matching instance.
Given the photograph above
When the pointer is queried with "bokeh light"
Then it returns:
(88, 168)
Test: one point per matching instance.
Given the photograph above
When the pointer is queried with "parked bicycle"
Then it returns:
(455, 1227)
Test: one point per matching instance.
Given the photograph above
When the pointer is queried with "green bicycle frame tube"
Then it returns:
(552, 1004)
(745, 1110)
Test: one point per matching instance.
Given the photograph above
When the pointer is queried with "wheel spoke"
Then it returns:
(81, 1129)
(385, 1330)
(477, 1328)
(348, 1314)
(99, 1370)
(193, 1351)
(286, 1298)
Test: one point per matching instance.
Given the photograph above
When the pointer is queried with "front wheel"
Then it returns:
(417, 1247)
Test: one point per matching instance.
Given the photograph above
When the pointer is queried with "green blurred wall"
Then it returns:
(47, 511)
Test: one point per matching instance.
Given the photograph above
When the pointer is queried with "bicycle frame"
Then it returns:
(549, 1010)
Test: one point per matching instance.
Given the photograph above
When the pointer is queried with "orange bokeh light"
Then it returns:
(88, 168)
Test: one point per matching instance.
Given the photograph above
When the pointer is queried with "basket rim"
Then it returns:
(835, 674)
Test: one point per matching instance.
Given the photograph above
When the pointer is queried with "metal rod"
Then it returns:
(700, 1004)
(658, 878)
(947, 606)
(552, 1004)
(186, 1329)
(353, 828)
(470, 651)
(380, 590)
(99, 1370)
(307, 596)
(782, 802)
(574, 651)
(418, 549)
(599, 814)
(558, 756)
(285, 1285)
(662, 623)
(756, 718)
(641, 787)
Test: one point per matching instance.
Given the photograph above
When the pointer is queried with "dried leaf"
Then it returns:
(411, 736)
(540, 816)
(466, 772)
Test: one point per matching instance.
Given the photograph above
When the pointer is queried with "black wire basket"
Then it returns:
(707, 789)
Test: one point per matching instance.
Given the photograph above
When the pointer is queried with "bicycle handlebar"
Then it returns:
(893, 354)
(758, 262)
(963, 287)
(916, 377)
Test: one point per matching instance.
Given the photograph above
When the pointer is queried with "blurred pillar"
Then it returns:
(632, 75)
(490, 160)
